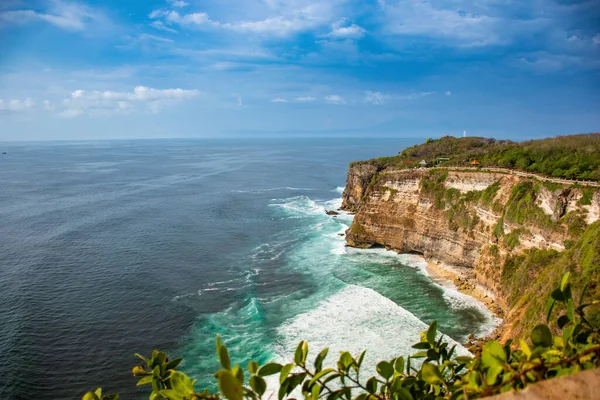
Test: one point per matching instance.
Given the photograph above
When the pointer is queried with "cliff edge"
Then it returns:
(514, 236)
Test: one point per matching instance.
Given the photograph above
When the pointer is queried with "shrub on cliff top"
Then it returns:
(569, 157)
(434, 372)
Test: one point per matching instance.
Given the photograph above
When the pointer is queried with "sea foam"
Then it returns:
(355, 319)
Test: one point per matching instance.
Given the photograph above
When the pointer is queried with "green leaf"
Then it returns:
(564, 281)
(218, 343)
(285, 371)
(431, 374)
(549, 307)
(361, 358)
(269, 369)
(404, 394)
(283, 390)
(431, 332)
(557, 295)
(567, 333)
(492, 354)
(230, 386)
(113, 396)
(145, 380)
(541, 336)
(181, 383)
(372, 385)
(174, 363)
(252, 367)
(463, 359)
(258, 384)
(319, 360)
(345, 360)
(563, 320)
(224, 357)
(141, 357)
(421, 346)
(316, 391)
(320, 374)
(301, 353)
(385, 369)
(90, 396)
(525, 348)
(171, 394)
(238, 373)
(432, 354)
(399, 365)
(492, 374)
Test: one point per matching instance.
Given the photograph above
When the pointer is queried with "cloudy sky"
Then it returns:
(279, 68)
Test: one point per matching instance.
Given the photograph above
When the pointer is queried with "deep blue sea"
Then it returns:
(111, 248)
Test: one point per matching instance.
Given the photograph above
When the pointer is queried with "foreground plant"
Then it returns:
(431, 373)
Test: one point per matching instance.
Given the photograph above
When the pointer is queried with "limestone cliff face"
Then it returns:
(462, 218)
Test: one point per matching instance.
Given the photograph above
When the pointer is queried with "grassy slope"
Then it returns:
(571, 157)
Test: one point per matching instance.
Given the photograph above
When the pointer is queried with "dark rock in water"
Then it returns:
(331, 212)
(340, 234)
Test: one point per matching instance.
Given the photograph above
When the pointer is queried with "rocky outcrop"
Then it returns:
(462, 218)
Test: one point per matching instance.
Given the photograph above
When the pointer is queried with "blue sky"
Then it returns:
(282, 68)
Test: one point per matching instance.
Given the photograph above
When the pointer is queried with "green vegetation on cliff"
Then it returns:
(541, 269)
(570, 157)
(434, 372)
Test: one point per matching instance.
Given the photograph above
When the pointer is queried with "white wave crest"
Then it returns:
(298, 206)
(355, 319)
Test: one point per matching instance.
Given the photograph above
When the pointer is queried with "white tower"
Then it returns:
(464, 133)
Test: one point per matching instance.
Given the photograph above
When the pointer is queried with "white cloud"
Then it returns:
(335, 99)
(596, 39)
(375, 97)
(107, 102)
(306, 98)
(279, 26)
(161, 25)
(346, 32)
(463, 24)
(240, 101)
(278, 100)
(448, 93)
(299, 21)
(68, 16)
(178, 3)
(16, 105)
(187, 19)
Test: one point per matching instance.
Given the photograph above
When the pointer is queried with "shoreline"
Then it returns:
(462, 279)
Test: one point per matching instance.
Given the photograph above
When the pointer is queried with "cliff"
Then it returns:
(513, 235)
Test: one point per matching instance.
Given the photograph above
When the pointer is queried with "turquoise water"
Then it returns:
(111, 248)
(329, 294)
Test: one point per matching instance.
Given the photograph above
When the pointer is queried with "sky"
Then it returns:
(117, 69)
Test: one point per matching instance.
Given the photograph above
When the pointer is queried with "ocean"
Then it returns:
(114, 247)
